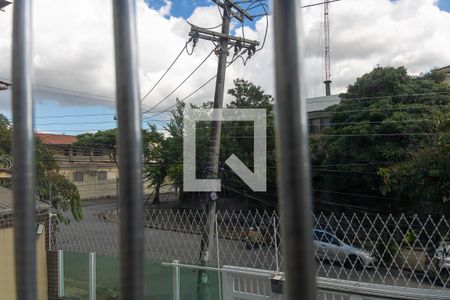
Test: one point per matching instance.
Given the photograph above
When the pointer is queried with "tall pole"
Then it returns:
(209, 199)
(130, 151)
(24, 172)
(326, 28)
(294, 181)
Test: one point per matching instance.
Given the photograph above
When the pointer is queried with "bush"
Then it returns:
(410, 238)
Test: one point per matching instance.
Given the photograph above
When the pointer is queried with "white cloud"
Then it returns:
(165, 9)
(73, 45)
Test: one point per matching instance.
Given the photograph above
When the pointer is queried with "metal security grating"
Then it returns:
(408, 251)
(293, 144)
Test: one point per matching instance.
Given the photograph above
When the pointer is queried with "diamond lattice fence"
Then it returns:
(409, 251)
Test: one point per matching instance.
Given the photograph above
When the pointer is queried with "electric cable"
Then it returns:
(167, 70)
(180, 84)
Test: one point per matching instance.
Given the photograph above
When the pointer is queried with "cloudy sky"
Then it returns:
(74, 61)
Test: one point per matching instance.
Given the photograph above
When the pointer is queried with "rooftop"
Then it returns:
(321, 103)
(56, 139)
(7, 202)
(444, 69)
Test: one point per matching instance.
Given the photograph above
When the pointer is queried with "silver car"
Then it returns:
(328, 246)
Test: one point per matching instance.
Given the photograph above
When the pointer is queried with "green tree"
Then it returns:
(55, 188)
(236, 138)
(5, 135)
(102, 139)
(174, 146)
(50, 186)
(385, 119)
(155, 165)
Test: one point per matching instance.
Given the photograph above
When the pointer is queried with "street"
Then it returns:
(95, 234)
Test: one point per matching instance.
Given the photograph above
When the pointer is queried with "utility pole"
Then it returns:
(326, 28)
(230, 10)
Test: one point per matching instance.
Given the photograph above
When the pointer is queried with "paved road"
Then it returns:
(94, 234)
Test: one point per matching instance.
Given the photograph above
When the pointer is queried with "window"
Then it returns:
(314, 125)
(330, 239)
(324, 123)
(78, 176)
(102, 175)
(318, 235)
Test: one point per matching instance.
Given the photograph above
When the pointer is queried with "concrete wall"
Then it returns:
(7, 275)
(92, 187)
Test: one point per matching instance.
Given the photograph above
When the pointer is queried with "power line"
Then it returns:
(181, 83)
(244, 126)
(320, 3)
(167, 70)
(68, 90)
(266, 14)
(168, 110)
(207, 28)
(384, 97)
(72, 116)
(390, 109)
(355, 195)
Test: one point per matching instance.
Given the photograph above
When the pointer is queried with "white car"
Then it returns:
(441, 261)
(328, 246)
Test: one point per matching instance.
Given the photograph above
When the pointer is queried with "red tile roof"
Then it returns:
(56, 139)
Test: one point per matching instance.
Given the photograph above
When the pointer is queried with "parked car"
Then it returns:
(256, 238)
(328, 246)
(441, 262)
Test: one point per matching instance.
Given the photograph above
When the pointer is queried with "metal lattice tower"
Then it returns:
(326, 28)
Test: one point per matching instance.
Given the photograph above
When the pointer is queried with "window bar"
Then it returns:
(130, 149)
(294, 169)
(23, 153)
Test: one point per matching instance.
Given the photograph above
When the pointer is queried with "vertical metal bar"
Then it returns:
(275, 242)
(50, 230)
(60, 273)
(216, 225)
(92, 277)
(294, 169)
(226, 285)
(23, 153)
(130, 150)
(176, 281)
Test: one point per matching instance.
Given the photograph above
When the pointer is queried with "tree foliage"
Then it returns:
(155, 165)
(236, 138)
(51, 187)
(386, 123)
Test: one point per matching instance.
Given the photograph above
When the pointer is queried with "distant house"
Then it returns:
(445, 70)
(7, 273)
(318, 118)
(93, 170)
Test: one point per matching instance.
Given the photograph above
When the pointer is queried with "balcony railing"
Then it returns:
(84, 158)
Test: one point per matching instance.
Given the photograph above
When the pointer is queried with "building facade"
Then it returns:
(7, 272)
(445, 70)
(318, 117)
(94, 171)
